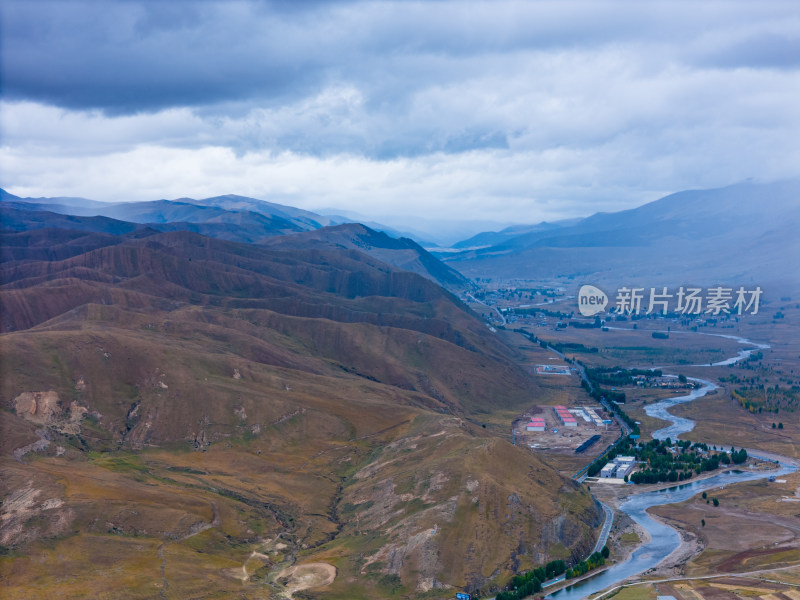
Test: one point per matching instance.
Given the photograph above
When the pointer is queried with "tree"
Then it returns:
(773, 425)
(682, 378)
(705, 495)
(780, 425)
(715, 502)
(605, 552)
(703, 522)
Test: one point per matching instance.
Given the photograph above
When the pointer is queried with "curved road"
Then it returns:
(603, 538)
(499, 314)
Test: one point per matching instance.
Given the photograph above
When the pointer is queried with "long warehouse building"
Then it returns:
(565, 416)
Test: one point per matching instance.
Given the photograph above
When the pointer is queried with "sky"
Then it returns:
(495, 111)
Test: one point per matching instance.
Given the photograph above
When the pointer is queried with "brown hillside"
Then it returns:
(188, 417)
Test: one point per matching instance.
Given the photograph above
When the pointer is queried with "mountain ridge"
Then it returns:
(189, 400)
(703, 236)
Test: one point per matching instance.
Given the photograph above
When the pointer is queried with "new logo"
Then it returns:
(591, 300)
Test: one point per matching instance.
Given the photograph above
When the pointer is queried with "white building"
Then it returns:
(608, 471)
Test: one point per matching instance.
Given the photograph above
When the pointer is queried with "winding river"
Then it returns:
(664, 539)
(679, 425)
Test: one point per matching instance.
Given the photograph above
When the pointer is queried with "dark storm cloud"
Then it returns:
(539, 109)
(125, 57)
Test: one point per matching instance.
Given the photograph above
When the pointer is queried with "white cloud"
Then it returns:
(518, 111)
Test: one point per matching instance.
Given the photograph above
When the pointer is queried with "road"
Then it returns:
(750, 574)
(606, 404)
(499, 314)
(603, 538)
(601, 541)
(609, 515)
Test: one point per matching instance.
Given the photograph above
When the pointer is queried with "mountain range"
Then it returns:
(193, 415)
(198, 395)
(740, 234)
(232, 218)
(728, 236)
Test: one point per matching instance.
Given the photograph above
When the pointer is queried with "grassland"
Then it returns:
(208, 476)
(768, 585)
(186, 417)
(754, 525)
(638, 348)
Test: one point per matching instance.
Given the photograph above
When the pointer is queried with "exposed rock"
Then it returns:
(41, 444)
(21, 507)
(38, 407)
(44, 408)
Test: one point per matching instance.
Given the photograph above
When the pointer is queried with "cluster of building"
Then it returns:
(671, 383)
(552, 369)
(536, 424)
(566, 418)
(618, 468)
(595, 417)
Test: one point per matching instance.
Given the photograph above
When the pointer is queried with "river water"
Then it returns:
(664, 539)
(680, 425)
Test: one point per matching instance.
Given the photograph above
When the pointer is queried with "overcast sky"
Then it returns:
(509, 111)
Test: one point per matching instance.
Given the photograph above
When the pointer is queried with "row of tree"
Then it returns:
(668, 462)
(525, 584)
(597, 559)
(531, 582)
(613, 398)
(617, 376)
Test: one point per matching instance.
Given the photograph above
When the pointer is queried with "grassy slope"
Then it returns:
(225, 419)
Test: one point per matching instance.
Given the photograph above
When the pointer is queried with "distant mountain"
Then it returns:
(18, 216)
(304, 219)
(55, 201)
(230, 209)
(745, 233)
(246, 227)
(402, 253)
(492, 238)
(229, 217)
(340, 217)
(443, 231)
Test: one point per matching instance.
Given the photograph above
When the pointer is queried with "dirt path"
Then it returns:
(197, 528)
(164, 585)
(307, 576)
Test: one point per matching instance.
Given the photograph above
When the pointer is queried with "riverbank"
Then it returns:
(690, 544)
(665, 543)
(669, 547)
